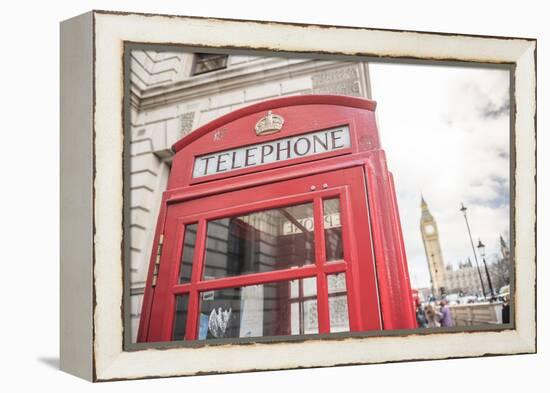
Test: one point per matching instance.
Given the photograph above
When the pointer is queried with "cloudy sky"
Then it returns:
(445, 132)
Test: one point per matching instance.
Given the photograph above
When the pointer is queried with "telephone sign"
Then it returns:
(275, 151)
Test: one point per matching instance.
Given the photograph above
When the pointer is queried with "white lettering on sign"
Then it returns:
(275, 151)
(331, 221)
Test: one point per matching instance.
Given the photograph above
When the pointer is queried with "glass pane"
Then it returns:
(260, 242)
(333, 230)
(338, 303)
(189, 239)
(276, 309)
(181, 317)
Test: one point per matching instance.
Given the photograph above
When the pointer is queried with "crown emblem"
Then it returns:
(269, 124)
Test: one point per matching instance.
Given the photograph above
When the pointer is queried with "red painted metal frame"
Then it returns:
(379, 294)
(320, 260)
(393, 278)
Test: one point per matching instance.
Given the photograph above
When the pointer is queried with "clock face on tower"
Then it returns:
(429, 229)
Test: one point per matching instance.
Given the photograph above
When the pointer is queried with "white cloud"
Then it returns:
(445, 132)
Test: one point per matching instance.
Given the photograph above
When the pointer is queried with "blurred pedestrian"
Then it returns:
(446, 317)
(506, 310)
(432, 316)
(421, 320)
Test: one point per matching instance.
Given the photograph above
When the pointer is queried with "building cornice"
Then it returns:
(230, 78)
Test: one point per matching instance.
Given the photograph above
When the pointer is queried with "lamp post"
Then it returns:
(481, 248)
(463, 210)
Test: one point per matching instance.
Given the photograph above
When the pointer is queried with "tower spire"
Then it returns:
(424, 206)
(504, 247)
(502, 242)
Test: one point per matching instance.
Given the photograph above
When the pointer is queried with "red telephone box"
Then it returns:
(279, 219)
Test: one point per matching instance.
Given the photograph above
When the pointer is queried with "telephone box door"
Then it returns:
(273, 260)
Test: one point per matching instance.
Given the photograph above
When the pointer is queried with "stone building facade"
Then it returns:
(465, 279)
(173, 93)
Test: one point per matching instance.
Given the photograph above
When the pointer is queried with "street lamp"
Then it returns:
(463, 210)
(481, 248)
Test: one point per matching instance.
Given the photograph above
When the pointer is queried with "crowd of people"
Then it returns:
(430, 316)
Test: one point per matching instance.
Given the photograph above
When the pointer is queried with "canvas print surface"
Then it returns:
(277, 197)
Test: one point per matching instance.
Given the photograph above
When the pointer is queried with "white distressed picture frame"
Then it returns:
(92, 138)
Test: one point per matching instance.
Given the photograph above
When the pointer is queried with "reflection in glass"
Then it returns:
(338, 303)
(180, 318)
(274, 309)
(189, 240)
(260, 242)
(333, 230)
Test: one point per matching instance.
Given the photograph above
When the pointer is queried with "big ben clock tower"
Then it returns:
(430, 237)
